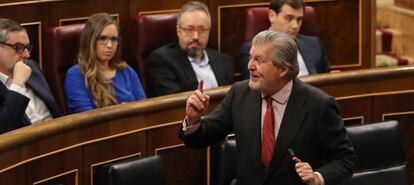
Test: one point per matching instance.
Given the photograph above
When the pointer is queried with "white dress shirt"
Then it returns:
(36, 110)
(303, 70)
(279, 105)
(203, 71)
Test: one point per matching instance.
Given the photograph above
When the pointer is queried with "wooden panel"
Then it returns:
(34, 31)
(340, 41)
(26, 13)
(159, 138)
(230, 38)
(56, 165)
(390, 105)
(170, 148)
(16, 176)
(355, 116)
(66, 178)
(109, 151)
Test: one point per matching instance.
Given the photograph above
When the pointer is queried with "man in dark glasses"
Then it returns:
(25, 97)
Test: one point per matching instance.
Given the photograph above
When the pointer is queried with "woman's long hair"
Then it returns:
(101, 87)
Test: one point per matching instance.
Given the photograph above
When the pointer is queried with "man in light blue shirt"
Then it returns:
(179, 67)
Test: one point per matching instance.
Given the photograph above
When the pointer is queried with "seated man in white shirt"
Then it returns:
(25, 97)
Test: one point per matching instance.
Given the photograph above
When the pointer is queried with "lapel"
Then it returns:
(185, 65)
(306, 53)
(3, 89)
(292, 121)
(253, 121)
(39, 86)
(38, 89)
(215, 66)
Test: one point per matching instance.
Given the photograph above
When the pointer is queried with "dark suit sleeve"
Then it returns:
(214, 127)
(341, 159)
(244, 60)
(324, 68)
(223, 67)
(229, 68)
(12, 110)
(162, 78)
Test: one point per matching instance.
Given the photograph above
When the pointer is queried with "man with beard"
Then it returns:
(178, 67)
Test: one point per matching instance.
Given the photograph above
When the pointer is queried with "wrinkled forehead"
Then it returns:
(17, 37)
(260, 50)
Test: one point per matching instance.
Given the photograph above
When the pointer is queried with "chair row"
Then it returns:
(377, 145)
(150, 31)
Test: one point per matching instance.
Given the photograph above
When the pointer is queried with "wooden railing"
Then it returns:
(69, 149)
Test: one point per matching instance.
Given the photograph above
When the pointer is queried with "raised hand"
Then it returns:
(21, 73)
(197, 105)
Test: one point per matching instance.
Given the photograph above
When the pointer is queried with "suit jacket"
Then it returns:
(310, 48)
(310, 126)
(170, 70)
(13, 104)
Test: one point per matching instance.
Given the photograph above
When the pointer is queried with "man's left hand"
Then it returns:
(305, 172)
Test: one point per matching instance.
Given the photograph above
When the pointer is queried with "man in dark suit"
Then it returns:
(178, 67)
(286, 16)
(25, 97)
(271, 113)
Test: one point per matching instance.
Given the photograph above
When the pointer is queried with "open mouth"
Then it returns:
(254, 76)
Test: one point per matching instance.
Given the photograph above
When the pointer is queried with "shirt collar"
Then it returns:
(282, 96)
(5, 79)
(201, 63)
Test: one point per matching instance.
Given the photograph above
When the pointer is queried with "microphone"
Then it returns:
(293, 156)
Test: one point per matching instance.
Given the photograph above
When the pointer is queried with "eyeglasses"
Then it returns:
(103, 39)
(19, 48)
(191, 30)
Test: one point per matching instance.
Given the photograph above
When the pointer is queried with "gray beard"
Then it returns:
(193, 53)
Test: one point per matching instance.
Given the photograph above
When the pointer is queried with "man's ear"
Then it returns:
(271, 15)
(177, 29)
(284, 72)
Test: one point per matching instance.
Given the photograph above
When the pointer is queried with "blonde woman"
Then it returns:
(101, 78)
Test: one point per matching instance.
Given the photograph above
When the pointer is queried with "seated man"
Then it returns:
(25, 97)
(286, 16)
(178, 67)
